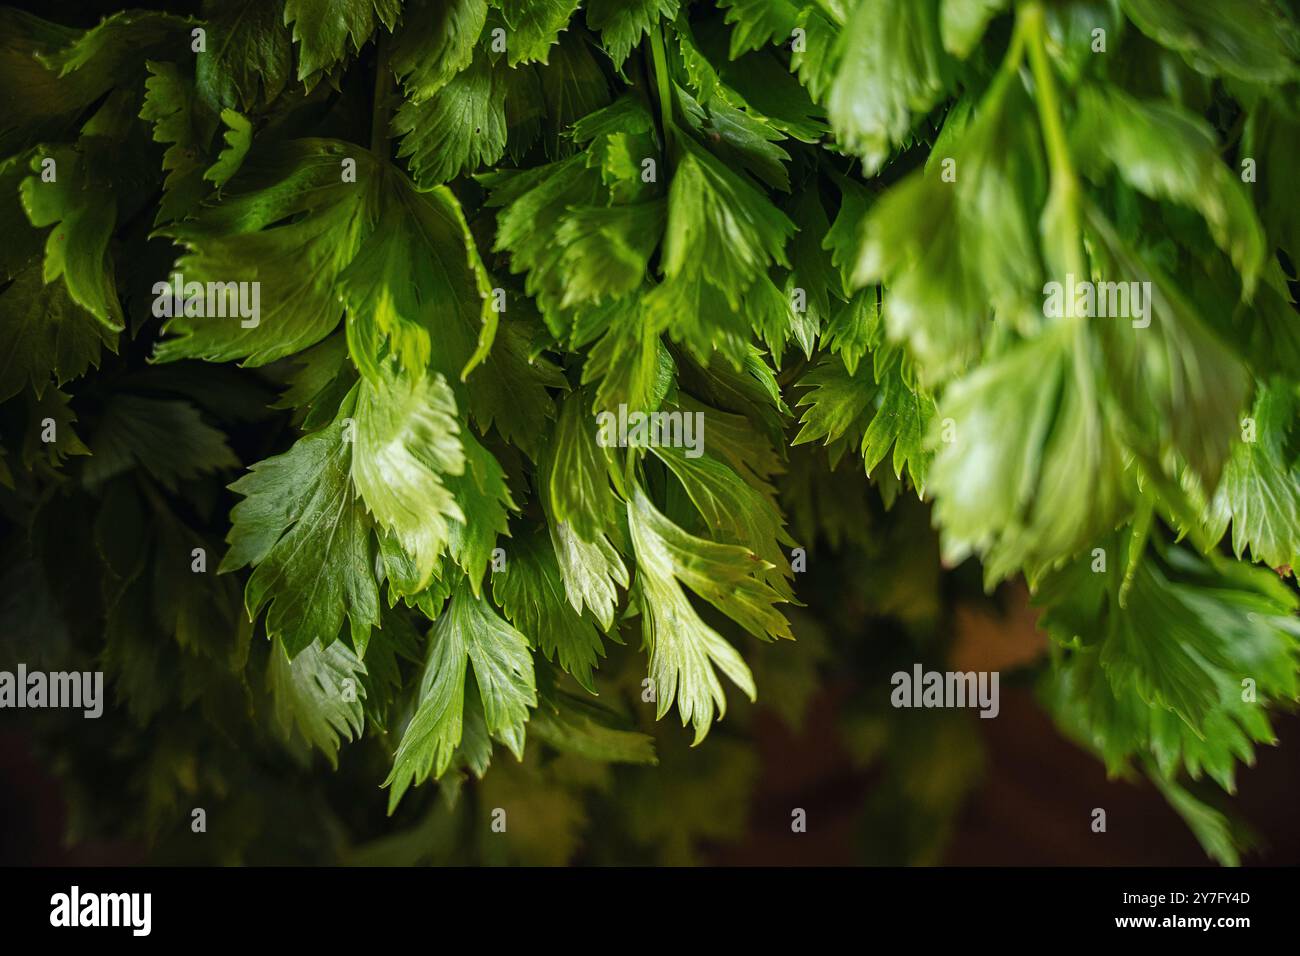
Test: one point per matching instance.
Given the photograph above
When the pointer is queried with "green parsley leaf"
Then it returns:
(323, 28)
(239, 139)
(47, 335)
(167, 438)
(683, 649)
(182, 121)
(533, 27)
(319, 694)
(468, 634)
(622, 23)
(1260, 490)
(892, 67)
(289, 222)
(305, 533)
(1252, 40)
(83, 212)
(249, 60)
(436, 41)
(530, 592)
(460, 127)
(405, 443)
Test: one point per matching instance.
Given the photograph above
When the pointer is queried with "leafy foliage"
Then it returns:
(826, 230)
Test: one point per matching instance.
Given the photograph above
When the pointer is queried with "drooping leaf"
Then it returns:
(305, 532)
(47, 335)
(892, 68)
(534, 26)
(436, 41)
(531, 594)
(405, 444)
(1169, 154)
(460, 127)
(1250, 40)
(319, 694)
(167, 438)
(468, 634)
(182, 121)
(622, 23)
(326, 31)
(683, 649)
(249, 57)
(1260, 489)
(288, 225)
(83, 212)
(238, 138)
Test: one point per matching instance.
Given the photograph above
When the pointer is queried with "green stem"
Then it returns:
(1011, 62)
(629, 473)
(662, 82)
(1065, 181)
(380, 110)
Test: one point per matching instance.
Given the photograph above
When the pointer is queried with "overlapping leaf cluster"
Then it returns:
(478, 224)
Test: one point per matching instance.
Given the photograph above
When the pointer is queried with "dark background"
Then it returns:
(1033, 808)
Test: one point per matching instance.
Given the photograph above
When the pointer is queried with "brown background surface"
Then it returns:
(1033, 807)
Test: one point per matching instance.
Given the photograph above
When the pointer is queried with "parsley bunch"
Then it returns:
(823, 228)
